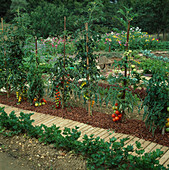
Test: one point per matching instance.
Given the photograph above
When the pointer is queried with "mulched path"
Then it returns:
(133, 127)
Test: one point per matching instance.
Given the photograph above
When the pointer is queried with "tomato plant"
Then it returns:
(12, 72)
(35, 81)
(61, 77)
(156, 102)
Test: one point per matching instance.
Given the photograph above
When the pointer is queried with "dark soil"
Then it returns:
(130, 126)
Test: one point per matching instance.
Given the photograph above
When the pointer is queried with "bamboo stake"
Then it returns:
(63, 96)
(87, 50)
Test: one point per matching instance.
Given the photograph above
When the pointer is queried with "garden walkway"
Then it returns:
(49, 120)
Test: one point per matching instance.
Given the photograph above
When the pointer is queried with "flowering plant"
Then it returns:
(117, 40)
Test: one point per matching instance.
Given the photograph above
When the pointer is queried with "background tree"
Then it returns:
(5, 7)
(46, 16)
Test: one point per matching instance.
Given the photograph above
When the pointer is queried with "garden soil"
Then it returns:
(23, 153)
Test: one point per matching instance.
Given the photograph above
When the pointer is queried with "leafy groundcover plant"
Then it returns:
(98, 153)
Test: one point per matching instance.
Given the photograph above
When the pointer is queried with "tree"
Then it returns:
(4, 7)
(18, 5)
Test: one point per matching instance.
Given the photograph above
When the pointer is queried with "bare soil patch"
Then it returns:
(22, 152)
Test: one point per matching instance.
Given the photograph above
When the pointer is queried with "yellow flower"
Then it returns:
(19, 98)
(84, 83)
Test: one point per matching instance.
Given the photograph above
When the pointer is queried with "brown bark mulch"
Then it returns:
(130, 126)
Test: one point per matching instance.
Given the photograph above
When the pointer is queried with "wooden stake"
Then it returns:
(36, 51)
(63, 96)
(2, 25)
(128, 29)
(125, 73)
(87, 50)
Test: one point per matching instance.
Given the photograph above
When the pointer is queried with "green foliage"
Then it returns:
(86, 68)
(138, 40)
(51, 17)
(98, 153)
(50, 14)
(53, 46)
(34, 80)
(18, 5)
(127, 15)
(16, 125)
(60, 77)
(151, 66)
(148, 54)
(116, 92)
(51, 135)
(12, 73)
(5, 5)
(156, 101)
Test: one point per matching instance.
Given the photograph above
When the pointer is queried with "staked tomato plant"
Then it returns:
(156, 102)
(34, 80)
(60, 77)
(12, 74)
